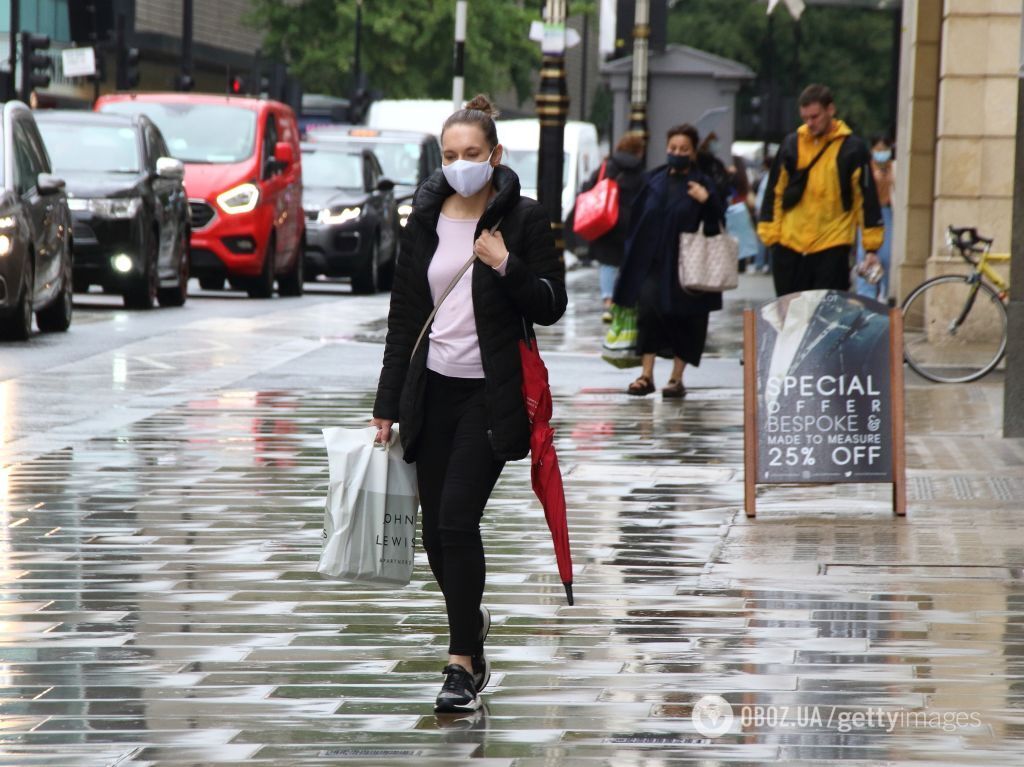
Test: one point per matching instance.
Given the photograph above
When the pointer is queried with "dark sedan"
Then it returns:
(408, 157)
(351, 220)
(129, 206)
(35, 232)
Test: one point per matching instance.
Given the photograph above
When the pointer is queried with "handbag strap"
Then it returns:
(447, 291)
(600, 175)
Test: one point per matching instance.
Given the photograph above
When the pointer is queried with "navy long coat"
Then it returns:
(661, 212)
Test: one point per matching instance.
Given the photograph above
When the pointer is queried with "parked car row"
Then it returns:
(151, 189)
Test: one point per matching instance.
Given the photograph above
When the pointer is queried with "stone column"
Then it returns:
(915, 147)
(976, 122)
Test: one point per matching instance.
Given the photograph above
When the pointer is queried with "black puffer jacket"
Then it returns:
(533, 289)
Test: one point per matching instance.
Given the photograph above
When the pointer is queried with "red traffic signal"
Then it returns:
(237, 85)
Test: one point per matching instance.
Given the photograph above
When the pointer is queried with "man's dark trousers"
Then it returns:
(825, 270)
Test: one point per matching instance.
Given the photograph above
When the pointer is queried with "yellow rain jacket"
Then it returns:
(839, 198)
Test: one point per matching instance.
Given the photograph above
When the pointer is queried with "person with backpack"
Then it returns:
(626, 167)
(820, 191)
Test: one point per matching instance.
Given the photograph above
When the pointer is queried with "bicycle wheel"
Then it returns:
(954, 329)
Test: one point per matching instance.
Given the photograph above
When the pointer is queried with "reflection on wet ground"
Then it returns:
(160, 606)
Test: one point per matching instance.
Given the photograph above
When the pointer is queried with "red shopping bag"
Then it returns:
(597, 209)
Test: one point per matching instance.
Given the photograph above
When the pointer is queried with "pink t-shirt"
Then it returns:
(454, 348)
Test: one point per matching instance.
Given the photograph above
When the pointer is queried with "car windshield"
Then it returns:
(399, 160)
(332, 169)
(204, 133)
(524, 163)
(91, 148)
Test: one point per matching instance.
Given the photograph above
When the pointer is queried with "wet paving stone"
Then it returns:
(160, 606)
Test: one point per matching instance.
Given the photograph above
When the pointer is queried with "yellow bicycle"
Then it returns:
(955, 325)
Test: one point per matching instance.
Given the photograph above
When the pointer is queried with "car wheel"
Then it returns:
(291, 284)
(18, 325)
(56, 318)
(366, 280)
(177, 295)
(263, 286)
(141, 293)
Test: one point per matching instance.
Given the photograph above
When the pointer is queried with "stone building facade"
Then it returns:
(957, 128)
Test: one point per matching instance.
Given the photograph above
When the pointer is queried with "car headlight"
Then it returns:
(339, 215)
(240, 199)
(404, 211)
(108, 207)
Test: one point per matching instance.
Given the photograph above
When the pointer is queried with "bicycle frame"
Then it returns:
(981, 267)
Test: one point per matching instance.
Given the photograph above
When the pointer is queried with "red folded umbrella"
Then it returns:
(544, 471)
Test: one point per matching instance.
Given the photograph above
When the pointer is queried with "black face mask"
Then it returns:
(680, 162)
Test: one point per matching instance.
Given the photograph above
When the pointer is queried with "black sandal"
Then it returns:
(641, 387)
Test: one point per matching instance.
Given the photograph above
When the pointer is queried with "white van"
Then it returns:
(521, 140)
(426, 115)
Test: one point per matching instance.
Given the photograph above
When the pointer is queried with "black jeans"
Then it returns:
(456, 472)
(825, 270)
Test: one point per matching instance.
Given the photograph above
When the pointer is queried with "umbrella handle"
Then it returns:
(568, 593)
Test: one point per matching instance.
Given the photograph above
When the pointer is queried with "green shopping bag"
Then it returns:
(619, 347)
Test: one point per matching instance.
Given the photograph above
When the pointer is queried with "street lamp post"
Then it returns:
(552, 108)
(458, 66)
(641, 49)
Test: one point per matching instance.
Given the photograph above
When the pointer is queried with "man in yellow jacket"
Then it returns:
(820, 191)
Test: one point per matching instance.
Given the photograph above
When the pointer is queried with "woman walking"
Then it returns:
(625, 166)
(457, 394)
(671, 322)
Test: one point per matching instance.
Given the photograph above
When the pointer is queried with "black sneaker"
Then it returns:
(458, 693)
(482, 666)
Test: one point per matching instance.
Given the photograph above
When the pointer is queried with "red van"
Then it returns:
(243, 177)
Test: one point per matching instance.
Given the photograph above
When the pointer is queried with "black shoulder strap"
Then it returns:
(822, 151)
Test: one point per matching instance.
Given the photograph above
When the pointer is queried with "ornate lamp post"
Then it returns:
(552, 108)
(638, 88)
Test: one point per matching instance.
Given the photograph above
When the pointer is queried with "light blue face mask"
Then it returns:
(882, 155)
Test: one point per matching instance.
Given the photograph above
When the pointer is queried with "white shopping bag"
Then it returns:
(370, 516)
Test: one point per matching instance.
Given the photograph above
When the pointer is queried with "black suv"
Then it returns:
(35, 232)
(407, 157)
(351, 221)
(127, 198)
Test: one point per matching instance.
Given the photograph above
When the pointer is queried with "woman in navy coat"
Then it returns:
(670, 321)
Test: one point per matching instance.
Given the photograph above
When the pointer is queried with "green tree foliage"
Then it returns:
(849, 49)
(406, 49)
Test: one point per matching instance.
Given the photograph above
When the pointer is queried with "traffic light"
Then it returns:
(131, 68)
(35, 65)
(237, 86)
(127, 68)
(184, 82)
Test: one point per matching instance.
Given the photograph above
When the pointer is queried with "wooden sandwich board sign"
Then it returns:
(823, 393)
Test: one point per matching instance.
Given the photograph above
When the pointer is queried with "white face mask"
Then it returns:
(467, 177)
